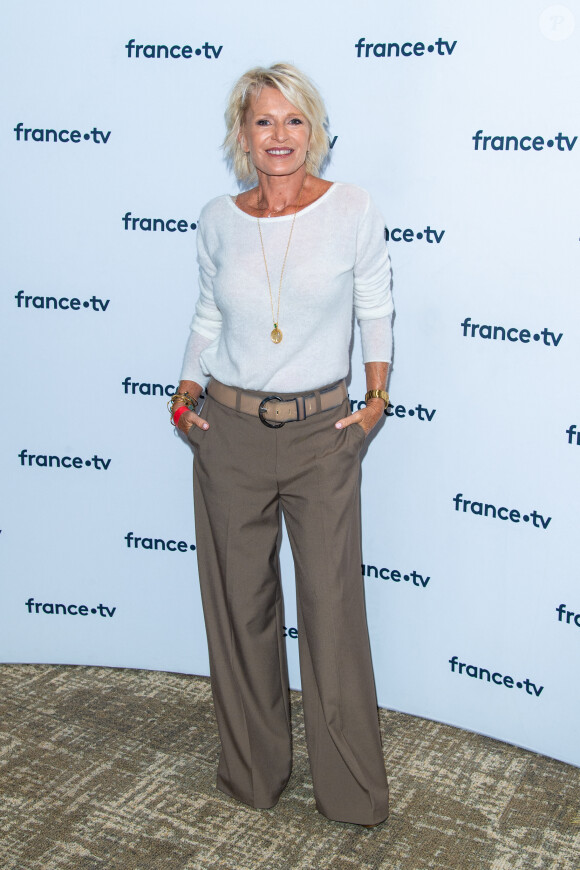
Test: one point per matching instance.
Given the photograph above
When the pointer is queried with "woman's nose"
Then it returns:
(279, 132)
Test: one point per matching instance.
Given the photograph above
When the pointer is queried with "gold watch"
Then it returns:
(378, 394)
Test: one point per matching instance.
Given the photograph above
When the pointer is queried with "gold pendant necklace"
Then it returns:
(276, 334)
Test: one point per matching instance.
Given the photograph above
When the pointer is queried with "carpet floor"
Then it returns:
(103, 769)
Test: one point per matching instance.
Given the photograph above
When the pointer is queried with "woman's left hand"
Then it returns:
(367, 417)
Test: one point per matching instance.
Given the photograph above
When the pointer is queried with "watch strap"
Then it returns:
(378, 394)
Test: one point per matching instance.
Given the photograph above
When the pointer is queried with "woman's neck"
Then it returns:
(276, 194)
(281, 199)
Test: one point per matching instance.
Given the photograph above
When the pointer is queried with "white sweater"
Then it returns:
(337, 263)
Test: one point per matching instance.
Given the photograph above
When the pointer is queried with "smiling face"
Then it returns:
(275, 134)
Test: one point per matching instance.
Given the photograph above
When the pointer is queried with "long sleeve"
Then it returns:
(191, 369)
(207, 321)
(373, 301)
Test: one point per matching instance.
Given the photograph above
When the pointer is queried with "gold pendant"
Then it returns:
(276, 335)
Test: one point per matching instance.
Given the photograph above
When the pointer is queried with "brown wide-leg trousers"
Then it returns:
(245, 476)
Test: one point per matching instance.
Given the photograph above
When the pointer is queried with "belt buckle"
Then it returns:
(262, 411)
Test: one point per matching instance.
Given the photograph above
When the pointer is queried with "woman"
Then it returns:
(281, 267)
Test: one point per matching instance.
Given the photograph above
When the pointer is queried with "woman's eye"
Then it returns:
(262, 122)
(296, 121)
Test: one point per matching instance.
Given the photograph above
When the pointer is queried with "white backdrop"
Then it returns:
(470, 488)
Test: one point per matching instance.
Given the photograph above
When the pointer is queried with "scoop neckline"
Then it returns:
(283, 217)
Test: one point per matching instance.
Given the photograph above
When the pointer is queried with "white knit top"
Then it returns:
(337, 264)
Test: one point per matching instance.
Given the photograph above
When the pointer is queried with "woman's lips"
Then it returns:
(279, 152)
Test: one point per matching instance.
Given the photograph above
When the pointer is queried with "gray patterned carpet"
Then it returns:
(103, 769)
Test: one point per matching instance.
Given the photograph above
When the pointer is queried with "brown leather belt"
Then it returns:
(275, 411)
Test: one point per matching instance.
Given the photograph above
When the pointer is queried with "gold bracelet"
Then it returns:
(183, 399)
(378, 394)
(189, 398)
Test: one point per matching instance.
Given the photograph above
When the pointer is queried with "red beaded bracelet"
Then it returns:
(178, 414)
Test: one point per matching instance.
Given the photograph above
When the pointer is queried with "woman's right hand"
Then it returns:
(189, 419)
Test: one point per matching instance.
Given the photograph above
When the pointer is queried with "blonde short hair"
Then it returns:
(298, 90)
